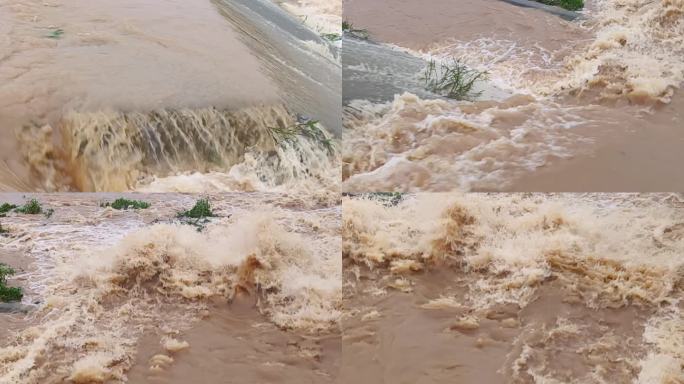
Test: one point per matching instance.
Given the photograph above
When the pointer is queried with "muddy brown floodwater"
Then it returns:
(395, 338)
(139, 296)
(130, 55)
(170, 96)
(235, 344)
(418, 27)
(515, 288)
(593, 104)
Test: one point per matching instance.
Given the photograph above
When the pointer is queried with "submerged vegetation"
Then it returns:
(32, 207)
(198, 215)
(570, 5)
(5, 208)
(122, 203)
(388, 199)
(3, 230)
(309, 129)
(454, 80)
(55, 34)
(331, 36)
(348, 28)
(201, 209)
(8, 293)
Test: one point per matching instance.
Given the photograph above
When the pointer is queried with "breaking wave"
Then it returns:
(633, 52)
(603, 251)
(98, 300)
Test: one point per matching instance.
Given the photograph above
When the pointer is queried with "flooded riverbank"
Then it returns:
(515, 288)
(588, 104)
(114, 293)
(155, 91)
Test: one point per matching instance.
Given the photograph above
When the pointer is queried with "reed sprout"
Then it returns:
(452, 79)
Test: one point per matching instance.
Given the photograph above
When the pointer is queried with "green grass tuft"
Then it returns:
(201, 210)
(55, 34)
(453, 80)
(198, 216)
(570, 5)
(309, 129)
(8, 293)
(122, 203)
(5, 208)
(348, 28)
(32, 207)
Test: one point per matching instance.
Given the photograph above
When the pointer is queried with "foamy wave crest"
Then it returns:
(162, 277)
(605, 251)
(635, 53)
(638, 52)
(510, 65)
(415, 144)
(323, 16)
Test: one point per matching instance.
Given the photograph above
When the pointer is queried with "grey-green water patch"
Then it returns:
(558, 11)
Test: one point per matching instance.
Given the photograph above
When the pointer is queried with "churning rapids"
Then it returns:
(514, 288)
(588, 104)
(168, 95)
(137, 296)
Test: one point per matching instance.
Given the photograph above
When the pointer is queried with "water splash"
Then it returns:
(604, 252)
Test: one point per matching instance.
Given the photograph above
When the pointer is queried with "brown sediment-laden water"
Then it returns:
(149, 95)
(592, 103)
(513, 288)
(141, 295)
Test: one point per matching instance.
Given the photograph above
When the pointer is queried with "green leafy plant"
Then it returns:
(55, 34)
(198, 216)
(8, 293)
(32, 207)
(122, 203)
(348, 28)
(5, 208)
(309, 129)
(570, 5)
(201, 209)
(453, 80)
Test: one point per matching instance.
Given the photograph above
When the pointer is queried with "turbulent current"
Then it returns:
(112, 293)
(518, 288)
(563, 100)
(195, 96)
